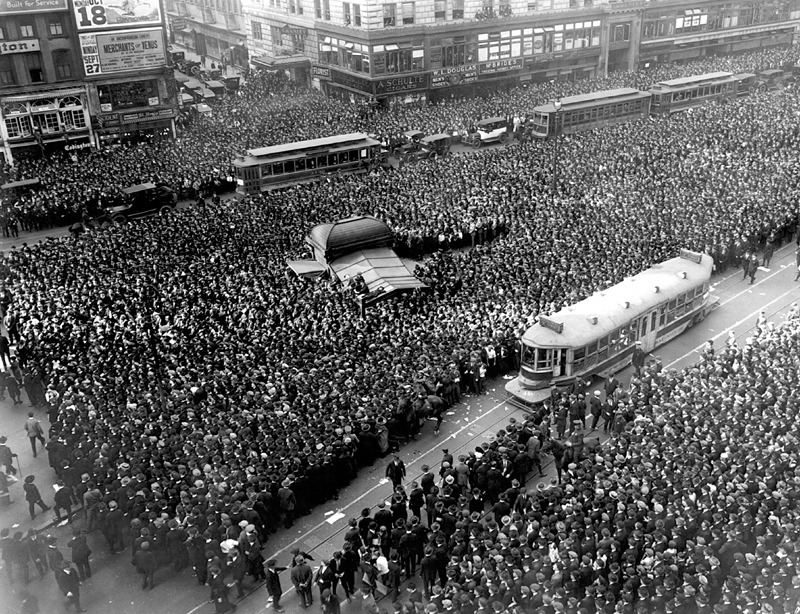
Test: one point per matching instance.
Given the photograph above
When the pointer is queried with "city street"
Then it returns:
(115, 587)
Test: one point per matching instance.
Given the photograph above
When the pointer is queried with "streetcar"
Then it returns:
(596, 336)
(589, 111)
(268, 168)
(677, 95)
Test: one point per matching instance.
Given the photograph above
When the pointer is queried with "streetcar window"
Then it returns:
(602, 343)
(624, 337)
(288, 167)
(591, 348)
(672, 304)
(681, 299)
(300, 165)
(322, 161)
(662, 315)
(311, 163)
(353, 155)
(698, 291)
(544, 359)
(528, 355)
(613, 340)
(653, 322)
(266, 170)
(343, 157)
(602, 354)
(277, 168)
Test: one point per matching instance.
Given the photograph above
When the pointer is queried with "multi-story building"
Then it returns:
(211, 28)
(79, 74)
(407, 50)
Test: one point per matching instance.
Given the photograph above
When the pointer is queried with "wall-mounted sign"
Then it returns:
(11, 7)
(321, 72)
(352, 81)
(23, 46)
(454, 75)
(146, 116)
(500, 66)
(178, 24)
(401, 84)
(107, 14)
(115, 52)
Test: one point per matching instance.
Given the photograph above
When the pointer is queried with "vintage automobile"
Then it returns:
(408, 144)
(141, 200)
(437, 145)
(493, 129)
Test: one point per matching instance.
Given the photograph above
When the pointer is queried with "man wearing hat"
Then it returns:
(70, 585)
(595, 408)
(145, 561)
(637, 359)
(33, 496)
(302, 577)
(396, 471)
(273, 583)
(287, 502)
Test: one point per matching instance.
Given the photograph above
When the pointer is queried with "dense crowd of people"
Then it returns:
(692, 506)
(207, 395)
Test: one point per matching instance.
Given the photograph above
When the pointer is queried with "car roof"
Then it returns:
(435, 137)
(413, 133)
(138, 188)
(491, 120)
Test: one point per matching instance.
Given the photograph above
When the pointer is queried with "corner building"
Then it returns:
(81, 74)
(424, 50)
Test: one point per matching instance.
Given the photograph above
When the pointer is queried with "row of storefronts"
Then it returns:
(471, 57)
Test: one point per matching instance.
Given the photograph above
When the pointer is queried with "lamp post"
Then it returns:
(557, 132)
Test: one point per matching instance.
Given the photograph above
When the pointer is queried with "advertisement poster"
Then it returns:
(108, 14)
(115, 52)
(11, 7)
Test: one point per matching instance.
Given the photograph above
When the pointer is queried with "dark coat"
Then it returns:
(274, 580)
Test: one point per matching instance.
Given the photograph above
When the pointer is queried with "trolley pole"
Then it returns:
(557, 132)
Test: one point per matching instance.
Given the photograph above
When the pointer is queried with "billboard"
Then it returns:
(110, 14)
(12, 7)
(128, 50)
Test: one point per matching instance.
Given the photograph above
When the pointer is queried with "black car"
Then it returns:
(141, 200)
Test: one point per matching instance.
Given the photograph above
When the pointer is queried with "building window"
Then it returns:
(458, 9)
(458, 55)
(408, 13)
(532, 6)
(318, 9)
(277, 36)
(2, 33)
(35, 72)
(621, 33)
(356, 14)
(19, 126)
(46, 123)
(6, 71)
(26, 30)
(256, 27)
(440, 10)
(326, 10)
(127, 95)
(55, 26)
(292, 6)
(346, 13)
(389, 15)
(63, 65)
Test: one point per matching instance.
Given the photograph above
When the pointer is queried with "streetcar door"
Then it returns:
(647, 330)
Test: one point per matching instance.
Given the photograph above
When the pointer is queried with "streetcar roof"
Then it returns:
(570, 102)
(340, 139)
(695, 79)
(616, 306)
(592, 100)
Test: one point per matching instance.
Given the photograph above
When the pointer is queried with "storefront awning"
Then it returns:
(272, 63)
(48, 94)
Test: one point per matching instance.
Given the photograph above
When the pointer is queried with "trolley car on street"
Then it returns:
(589, 111)
(268, 168)
(596, 336)
(689, 92)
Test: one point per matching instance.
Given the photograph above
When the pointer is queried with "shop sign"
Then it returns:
(11, 7)
(129, 50)
(321, 72)
(357, 83)
(178, 24)
(401, 84)
(146, 116)
(108, 14)
(500, 66)
(23, 46)
(77, 144)
(454, 75)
